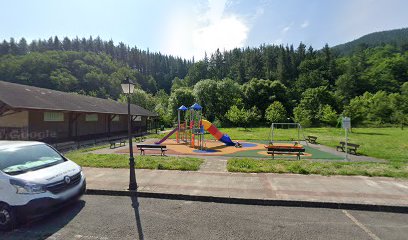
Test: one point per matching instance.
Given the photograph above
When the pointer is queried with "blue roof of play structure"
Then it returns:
(182, 108)
(196, 106)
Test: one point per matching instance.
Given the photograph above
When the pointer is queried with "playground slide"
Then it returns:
(209, 127)
(167, 136)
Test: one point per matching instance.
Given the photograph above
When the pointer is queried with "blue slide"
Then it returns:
(227, 140)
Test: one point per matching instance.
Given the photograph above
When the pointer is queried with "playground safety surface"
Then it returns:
(255, 149)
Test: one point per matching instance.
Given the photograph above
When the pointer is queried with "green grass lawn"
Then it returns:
(397, 170)
(385, 143)
(122, 161)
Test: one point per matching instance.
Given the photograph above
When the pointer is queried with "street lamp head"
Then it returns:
(127, 86)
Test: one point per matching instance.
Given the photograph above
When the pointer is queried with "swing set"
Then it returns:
(274, 137)
(289, 145)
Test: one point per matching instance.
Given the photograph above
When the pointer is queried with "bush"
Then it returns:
(243, 117)
(276, 112)
(377, 109)
(328, 115)
(302, 116)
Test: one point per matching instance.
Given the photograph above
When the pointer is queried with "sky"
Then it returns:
(189, 28)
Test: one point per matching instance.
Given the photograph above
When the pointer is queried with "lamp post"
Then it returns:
(128, 88)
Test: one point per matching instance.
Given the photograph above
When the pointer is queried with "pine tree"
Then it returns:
(57, 44)
(14, 50)
(4, 48)
(66, 44)
(22, 47)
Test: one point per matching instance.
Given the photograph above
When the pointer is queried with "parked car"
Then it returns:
(35, 179)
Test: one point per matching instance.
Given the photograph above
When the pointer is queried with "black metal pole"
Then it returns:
(132, 180)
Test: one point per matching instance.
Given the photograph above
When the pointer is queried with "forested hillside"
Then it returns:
(241, 87)
(161, 68)
(396, 37)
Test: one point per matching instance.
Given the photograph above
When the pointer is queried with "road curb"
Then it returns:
(248, 201)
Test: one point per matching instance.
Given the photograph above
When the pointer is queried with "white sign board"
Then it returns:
(346, 123)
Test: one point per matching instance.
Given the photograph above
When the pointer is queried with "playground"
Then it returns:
(252, 156)
(195, 136)
(196, 144)
(252, 148)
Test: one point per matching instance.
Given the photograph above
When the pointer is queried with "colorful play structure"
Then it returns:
(191, 128)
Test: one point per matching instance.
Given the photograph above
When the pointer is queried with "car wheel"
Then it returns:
(7, 218)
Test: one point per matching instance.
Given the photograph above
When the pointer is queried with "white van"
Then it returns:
(35, 179)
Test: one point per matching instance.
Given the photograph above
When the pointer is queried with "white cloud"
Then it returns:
(225, 33)
(205, 30)
(216, 29)
(286, 29)
(305, 24)
(283, 33)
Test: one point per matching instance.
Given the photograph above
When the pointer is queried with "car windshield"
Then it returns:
(21, 159)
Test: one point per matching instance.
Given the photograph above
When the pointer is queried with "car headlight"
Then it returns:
(23, 187)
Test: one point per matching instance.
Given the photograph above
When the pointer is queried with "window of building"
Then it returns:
(116, 118)
(91, 117)
(137, 118)
(53, 117)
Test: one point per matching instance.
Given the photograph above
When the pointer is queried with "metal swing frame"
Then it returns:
(299, 130)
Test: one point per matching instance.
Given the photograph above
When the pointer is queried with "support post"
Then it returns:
(178, 126)
(132, 175)
(346, 143)
(346, 125)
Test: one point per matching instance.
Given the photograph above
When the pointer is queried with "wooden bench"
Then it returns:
(311, 139)
(351, 147)
(120, 141)
(143, 147)
(285, 150)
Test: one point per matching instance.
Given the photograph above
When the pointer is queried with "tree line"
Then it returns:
(395, 37)
(255, 86)
(240, 87)
(162, 68)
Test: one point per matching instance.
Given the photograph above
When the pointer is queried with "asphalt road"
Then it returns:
(108, 217)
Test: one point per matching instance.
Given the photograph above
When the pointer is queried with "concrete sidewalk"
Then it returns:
(259, 186)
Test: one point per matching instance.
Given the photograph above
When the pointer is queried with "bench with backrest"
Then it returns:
(114, 141)
(298, 150)
(311, 139)
(351, 147)
(157, 147)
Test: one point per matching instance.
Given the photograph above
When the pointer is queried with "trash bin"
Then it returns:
(161, 127)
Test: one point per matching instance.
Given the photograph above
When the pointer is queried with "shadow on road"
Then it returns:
(135, 205)
(46, 226)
